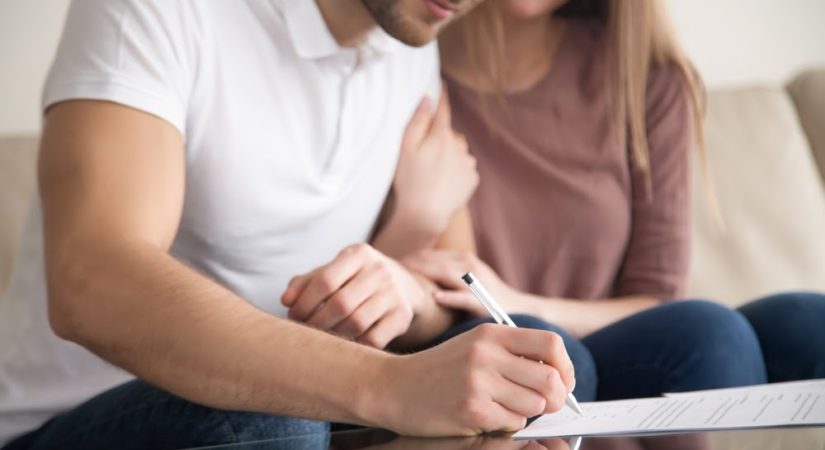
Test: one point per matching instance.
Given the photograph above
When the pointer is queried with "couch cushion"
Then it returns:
(17, 168)
(808, 92)
(771, 197)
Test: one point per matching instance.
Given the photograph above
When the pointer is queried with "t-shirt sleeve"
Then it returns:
(658, 255)
(136, 53)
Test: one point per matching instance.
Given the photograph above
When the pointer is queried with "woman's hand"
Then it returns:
(445, 267)
(436, 175)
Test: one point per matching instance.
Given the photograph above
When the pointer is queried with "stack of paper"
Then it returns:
(771, 405)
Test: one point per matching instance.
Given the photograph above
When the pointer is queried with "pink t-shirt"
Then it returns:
(560, 211)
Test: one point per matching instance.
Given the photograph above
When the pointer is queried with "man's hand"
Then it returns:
(487, 379)
(361, 294)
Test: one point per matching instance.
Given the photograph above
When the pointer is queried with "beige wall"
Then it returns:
(731, 41)
(29, 31)
(747, 41)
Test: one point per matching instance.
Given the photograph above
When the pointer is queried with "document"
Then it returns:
(763, 406)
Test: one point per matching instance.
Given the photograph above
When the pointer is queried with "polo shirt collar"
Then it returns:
(312, 38)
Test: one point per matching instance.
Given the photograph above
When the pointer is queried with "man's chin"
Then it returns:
(415, 38)
(417, 41)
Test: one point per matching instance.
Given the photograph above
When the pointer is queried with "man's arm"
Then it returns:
(112, 182)
(112, 185)
(434, 179)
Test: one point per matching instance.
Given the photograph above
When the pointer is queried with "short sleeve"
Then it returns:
(657, 259)
(139, 54)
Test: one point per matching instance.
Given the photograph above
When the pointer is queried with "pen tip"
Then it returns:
(574, 404)
(467, 277)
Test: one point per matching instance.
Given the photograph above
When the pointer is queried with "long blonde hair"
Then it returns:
(641, 36)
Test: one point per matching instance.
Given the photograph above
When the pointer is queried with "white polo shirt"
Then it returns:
(291, 146)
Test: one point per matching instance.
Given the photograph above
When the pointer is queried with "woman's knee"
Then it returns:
(719, 339)
(712, 326)
(790, 331)
(791, 310)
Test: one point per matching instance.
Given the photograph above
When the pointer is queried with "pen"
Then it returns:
(501, 317)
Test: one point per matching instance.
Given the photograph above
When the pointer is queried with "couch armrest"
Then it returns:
(808, 93)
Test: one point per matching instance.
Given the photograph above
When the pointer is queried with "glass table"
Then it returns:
(373, 439)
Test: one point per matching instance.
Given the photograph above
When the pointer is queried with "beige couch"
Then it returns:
(767, 155)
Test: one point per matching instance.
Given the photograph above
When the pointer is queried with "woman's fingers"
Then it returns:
(439, 266)
(442, 122)
(462, 300)
(419, 126)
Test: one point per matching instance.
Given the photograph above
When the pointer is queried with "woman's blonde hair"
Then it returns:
(640, 35)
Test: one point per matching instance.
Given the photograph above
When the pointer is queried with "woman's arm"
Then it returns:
(577, 317)
(657, 258)
(433, 182)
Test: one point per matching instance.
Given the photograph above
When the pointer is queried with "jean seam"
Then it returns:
(231, 425)
(80, 430)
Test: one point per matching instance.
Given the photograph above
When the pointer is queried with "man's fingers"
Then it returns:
(364, 317)
(500, 418)
(531, 374)
(296, 285)
(418, 126)
(327, 280)
(518, 399)
(385, 330)
(540, 345)
(346, 300)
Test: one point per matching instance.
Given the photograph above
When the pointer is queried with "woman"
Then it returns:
(581, 115)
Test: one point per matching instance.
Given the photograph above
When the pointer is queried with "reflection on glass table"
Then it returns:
(372, 439)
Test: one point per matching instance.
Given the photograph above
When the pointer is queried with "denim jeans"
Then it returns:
(136, 415)
(693, 344)
(677, 346)
(791, 331)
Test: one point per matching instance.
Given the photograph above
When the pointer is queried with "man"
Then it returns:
(197, 155)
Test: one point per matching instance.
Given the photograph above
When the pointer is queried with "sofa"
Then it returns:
(766, 154)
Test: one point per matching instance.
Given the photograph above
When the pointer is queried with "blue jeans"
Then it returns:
(679, 346)
(791, 331)
(136, 415)
(674, 347)
(691, 345)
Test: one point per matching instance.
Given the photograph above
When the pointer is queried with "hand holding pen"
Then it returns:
(501, 317)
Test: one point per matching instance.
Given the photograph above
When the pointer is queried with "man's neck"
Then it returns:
(349, 21)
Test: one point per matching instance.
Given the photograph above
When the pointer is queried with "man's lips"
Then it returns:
(439, 8)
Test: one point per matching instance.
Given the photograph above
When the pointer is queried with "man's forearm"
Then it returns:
(139, 308)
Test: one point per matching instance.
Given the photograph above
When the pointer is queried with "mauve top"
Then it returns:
(560, 211)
